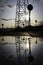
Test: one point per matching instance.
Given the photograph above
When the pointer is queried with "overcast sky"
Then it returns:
(7, 12)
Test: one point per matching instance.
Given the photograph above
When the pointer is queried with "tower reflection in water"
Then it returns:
(21, 47)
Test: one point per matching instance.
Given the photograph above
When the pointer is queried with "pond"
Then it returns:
(21, 50)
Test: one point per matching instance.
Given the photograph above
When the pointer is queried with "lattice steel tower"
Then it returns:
(21, 12)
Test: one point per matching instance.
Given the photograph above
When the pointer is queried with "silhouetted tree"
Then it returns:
(30, 8)
(2, 25)
(30, 57)
(36, 22)
(23, 25)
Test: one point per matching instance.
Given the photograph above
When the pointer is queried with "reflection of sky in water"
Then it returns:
(9, 46)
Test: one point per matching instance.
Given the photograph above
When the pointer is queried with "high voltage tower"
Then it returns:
(21, 12)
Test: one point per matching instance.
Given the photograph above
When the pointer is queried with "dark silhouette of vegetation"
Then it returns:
(29, 29)
(29, 7)
(2, 25)
(36, 22)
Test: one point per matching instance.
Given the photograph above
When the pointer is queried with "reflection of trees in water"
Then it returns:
(36, 41)
(2, 39)
(30, 57)
(24, 55)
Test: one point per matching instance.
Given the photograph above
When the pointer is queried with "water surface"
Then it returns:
(16, 50)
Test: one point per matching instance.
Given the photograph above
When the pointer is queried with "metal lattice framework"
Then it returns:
(21, 52)
(21, 11)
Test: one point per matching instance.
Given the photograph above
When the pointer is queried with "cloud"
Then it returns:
(11, 6)
(1, 6)
(2, 1)
(41, 23)
(4, 19)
